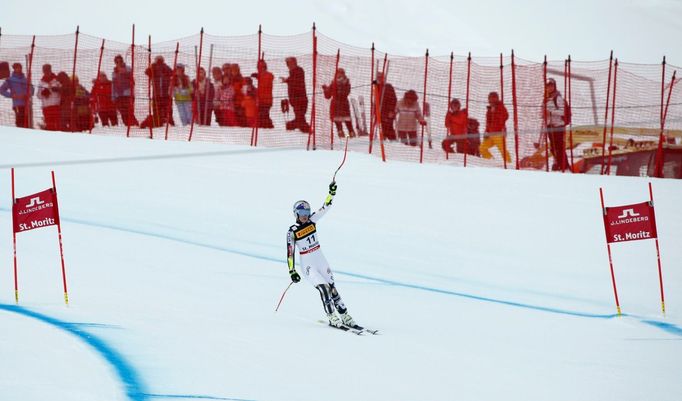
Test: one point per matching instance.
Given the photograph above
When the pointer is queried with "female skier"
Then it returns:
(313, 264)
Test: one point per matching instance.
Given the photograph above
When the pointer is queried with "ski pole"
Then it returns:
(282, 297)
(345, 152)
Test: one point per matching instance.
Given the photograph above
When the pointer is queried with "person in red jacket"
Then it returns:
(101, 100)
(265, 79)
(298, 98)
(160, 75)
(456, 123)
(495, 127)
(339, 107)
(387, 101)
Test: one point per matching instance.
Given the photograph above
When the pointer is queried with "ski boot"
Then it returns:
(334, 320)
(348, 320)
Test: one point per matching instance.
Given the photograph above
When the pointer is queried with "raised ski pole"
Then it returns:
(282, 297)
(345, 152)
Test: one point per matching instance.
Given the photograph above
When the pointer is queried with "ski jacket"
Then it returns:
(121, 80)
(14, 87)
(496, 118)
(554, 107)
(338, 91)
(457, 123)
(409, 116)
(296, 84)
(160, 74)
(265, 79)
(49, 91)
(304, 236)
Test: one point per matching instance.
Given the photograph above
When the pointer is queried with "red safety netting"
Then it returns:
(625, 118)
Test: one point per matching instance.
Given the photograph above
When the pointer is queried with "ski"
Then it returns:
(365, 329)
(356, 329)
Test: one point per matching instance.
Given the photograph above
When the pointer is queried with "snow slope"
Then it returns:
(486, 284)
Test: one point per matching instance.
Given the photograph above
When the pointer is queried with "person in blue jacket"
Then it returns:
(17, 88)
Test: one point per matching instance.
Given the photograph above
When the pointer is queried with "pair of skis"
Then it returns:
(356, 329)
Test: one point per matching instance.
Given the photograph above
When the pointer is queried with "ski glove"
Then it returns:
(332, 188)
(294, 276)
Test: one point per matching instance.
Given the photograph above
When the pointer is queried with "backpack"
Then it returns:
(567, 111)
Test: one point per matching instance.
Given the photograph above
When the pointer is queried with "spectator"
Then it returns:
(49, 93)
(456, 123)
(65, 100)
(160, 74)
(203, 94)
(495, 127)
(182, 91)
(409, 116)
(122, 91)
(249, 102)
(18, 89)
(265, 79)
(82, 114)
(555, 117)
(237, 84)
(474, 139)
(387, 101)
(298, 99)
(339, 107)
(217, 75)
(101, 102)
(225, 102)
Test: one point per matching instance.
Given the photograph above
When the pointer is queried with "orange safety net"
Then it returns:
(625, 118)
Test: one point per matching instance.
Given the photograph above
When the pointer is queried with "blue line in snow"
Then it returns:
(194, 397)
(124, 370)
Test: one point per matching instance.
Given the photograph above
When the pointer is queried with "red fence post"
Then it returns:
(131, 105)
(331, 126)
(29, 98)
(149, 89)
(196, 112)
(570, 126)
(544, 113)
(72, 119)
(516, 111)
(426, 74)
(254, 129)
(452, 61)
(606, 114)
(466, 143)
(313, 112)
(613, 114)
(99, 69)
(171, 88)
(380, 105)
(372, 99)
(504, 137)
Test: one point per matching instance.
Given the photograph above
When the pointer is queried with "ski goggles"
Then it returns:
(303, 212)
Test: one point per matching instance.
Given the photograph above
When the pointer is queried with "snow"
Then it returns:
(486, 284)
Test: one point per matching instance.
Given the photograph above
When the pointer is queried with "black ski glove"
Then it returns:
(294, 276)
(332, 188)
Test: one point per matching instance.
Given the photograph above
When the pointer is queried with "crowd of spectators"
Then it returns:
(230, 99)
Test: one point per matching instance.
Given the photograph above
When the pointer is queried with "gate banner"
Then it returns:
(630, 222)
(35, 211)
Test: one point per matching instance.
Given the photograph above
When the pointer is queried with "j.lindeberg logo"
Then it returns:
(35, 202)
(628, 212)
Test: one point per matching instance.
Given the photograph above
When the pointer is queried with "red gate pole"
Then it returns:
(14, 244)
(379, 106)
(336, 72)
(466, 143)
(99, 69)
(372, 99)
(29, 101)
(149, 87)
(606, 114)
(254, 129)
(131, 105)
(658, 252)
(447, 129)
(504, 137)
(174, 81)
(661, 138)
(426, 74)
(72, 119)
(613, 114)
(608, 247)
(378, 100)
(545, 134)
(313, 114)
(201, 48)
(59, 231)
(516, 111)
(563, 145)
(570, 126)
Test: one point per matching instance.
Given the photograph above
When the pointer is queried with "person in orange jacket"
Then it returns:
(495, 127)
(456, 123)
(265, 79)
